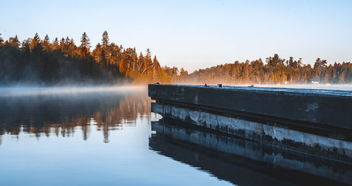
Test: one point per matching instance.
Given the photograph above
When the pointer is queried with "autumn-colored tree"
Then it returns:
(55, 45)
(85, 45)
(13, 41)
(35, 41)
(46, 43)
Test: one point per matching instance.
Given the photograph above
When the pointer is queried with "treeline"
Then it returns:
(273, 70)
(61, 61)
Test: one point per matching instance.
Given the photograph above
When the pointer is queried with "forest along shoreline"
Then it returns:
(43, 62)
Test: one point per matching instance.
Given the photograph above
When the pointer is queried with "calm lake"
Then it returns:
(108, 136)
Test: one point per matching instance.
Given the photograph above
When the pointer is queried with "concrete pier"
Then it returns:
(316, 122)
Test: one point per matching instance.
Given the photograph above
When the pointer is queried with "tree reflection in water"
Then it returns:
(61, 114)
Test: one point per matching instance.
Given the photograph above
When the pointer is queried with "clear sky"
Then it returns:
(194, 34)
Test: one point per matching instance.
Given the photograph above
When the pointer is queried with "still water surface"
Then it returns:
(85, 138)
(110, 137)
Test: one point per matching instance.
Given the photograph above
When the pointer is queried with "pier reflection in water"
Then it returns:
(105, 138)
(241, 161)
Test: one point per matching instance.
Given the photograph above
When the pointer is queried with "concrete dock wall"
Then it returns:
(316, 122)
(269, 134)
(315, 108)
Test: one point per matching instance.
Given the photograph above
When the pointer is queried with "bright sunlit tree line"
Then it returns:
(62, 61)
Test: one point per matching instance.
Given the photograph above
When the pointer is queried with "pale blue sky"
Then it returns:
(194, 34)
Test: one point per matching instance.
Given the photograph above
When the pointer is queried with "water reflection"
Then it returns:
(94, 138)
(243, 162)
(130, 156)
(61, 114)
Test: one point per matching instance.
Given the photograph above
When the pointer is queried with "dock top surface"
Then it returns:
(309, 91)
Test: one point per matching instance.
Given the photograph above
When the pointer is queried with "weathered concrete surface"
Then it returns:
(318, 108)
(249, 150)
(289, 139)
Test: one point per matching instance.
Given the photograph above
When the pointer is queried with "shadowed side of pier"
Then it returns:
(310, 121)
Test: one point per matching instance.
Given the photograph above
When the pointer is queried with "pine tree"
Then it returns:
(46, 42)
(55, 45)
(85, 42)
(156, 64)
(147, 61)
(62, 45)
(35, 41)
(156, 68)
(46, 39)
(85, 45)
(105, 39)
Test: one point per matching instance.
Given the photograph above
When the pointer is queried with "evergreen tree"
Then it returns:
(46, 39)
(46, 42)
(85, 45)
(55, 45)
(35, 41)
(105, 39)
(85, 42)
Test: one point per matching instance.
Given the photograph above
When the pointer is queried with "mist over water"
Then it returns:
(19, 90)
(35, 91)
